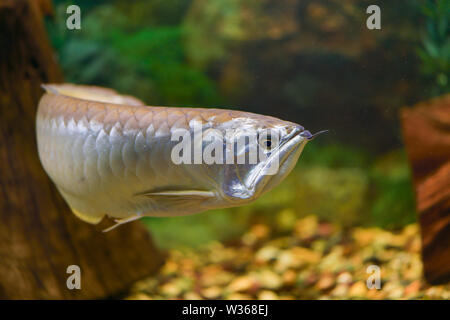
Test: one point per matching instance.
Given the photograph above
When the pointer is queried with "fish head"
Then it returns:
(277, 144)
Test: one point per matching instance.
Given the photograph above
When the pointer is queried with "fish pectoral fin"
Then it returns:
(178, 200)
(119, 222)
(180, 194)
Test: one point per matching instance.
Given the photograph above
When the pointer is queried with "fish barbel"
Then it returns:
(109, 154)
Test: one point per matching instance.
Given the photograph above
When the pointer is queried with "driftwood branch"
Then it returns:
(426, 131)
(39, 236)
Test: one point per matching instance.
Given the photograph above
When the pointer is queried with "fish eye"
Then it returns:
(266, 143)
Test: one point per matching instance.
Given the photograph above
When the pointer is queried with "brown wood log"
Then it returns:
(426, 131)
(39, 236)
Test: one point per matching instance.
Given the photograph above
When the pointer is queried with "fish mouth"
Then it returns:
(294, 143)
(288, 154)
(259, 180)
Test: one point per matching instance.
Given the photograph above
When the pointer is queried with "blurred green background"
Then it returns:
(311, 62)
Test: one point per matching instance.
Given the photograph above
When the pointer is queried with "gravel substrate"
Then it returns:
(312, 260)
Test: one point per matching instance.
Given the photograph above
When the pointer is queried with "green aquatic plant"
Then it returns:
(121, 48)
(393, 197)
(435, 51)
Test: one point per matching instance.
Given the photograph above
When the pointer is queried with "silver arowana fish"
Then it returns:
(109, 154)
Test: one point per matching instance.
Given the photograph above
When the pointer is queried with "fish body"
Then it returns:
(110, 154)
